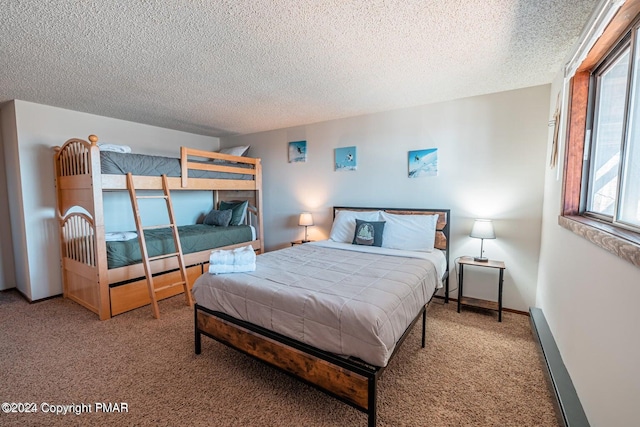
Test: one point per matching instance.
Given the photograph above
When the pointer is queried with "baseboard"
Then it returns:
(29, 300)
(510, 310)
(568, 407)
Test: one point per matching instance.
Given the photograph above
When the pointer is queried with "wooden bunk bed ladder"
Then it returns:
(146, 260)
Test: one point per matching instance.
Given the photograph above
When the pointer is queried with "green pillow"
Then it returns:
(238, 211)
(368, 233)
(218, 218)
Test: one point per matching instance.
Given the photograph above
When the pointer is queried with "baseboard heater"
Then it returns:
(568, 406)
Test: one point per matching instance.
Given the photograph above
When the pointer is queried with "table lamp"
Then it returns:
(482, 229)
(306, 220)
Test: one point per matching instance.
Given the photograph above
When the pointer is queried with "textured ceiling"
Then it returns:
(227, 67)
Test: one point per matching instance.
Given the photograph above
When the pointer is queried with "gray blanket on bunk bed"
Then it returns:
(140, 164)
(193, 238)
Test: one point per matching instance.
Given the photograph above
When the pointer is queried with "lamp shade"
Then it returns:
(305, 219)
(483, 229)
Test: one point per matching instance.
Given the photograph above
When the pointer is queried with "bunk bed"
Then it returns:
(331, 313)
(80, 181)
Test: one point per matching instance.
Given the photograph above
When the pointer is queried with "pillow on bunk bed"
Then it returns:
(116, 148)
(218, 218)
(238, 211)
(240, 150)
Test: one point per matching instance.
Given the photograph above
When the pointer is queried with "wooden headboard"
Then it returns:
(442, 228)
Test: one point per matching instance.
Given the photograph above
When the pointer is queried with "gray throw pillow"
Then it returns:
(238, 209)
(368, 233)
(218, 218)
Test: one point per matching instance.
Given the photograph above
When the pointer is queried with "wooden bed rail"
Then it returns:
(77, 176)
(82, 250)
(186, 164)
(74, 158)
(78, 238)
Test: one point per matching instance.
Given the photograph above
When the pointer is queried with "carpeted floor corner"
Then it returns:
(473, 372)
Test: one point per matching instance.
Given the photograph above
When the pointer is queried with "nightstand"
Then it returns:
(474, 302)
(300, 242)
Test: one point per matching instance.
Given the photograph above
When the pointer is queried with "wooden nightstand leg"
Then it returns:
(500, 280)
(460, 285)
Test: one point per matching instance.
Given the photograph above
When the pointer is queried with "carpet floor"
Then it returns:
(57, 356)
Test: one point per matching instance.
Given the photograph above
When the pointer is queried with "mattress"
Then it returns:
(346, 299)
(140, 164)
(193, 238)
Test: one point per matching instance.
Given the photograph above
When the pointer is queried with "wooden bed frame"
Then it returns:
(347, 379)
(80, 186)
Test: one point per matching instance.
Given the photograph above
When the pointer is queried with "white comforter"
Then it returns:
(332, 296)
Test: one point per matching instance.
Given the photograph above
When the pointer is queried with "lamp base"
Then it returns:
(480, 259)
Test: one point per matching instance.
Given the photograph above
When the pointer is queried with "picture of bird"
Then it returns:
(298, 151)
(423, 163)
(346, 159)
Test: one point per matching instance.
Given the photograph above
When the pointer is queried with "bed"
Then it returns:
(330, 313)
(193, 238)
(83, 172)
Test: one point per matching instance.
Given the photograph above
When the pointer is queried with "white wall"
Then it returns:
(31, 182)
(491, 164)
(590, 300)
(14, 200)
(7, 270)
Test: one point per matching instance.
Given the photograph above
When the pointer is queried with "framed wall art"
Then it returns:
(423, 163)
(297, 151)
(345, 159)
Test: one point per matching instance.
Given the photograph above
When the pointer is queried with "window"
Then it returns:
(629, 206)
(601, 197)
(611, 193)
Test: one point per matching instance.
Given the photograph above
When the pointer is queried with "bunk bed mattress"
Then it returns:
(193, 238)
(114, 163)
(340, 300)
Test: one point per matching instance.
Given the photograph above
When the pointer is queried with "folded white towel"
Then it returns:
(239, 256)
(237, 268)
(114, 147)
(232, 261)
(120, 236)
(221, 257)
(244, 256)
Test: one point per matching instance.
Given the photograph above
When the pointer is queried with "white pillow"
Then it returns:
(409, 232)
(344, 225)
(240, 150)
